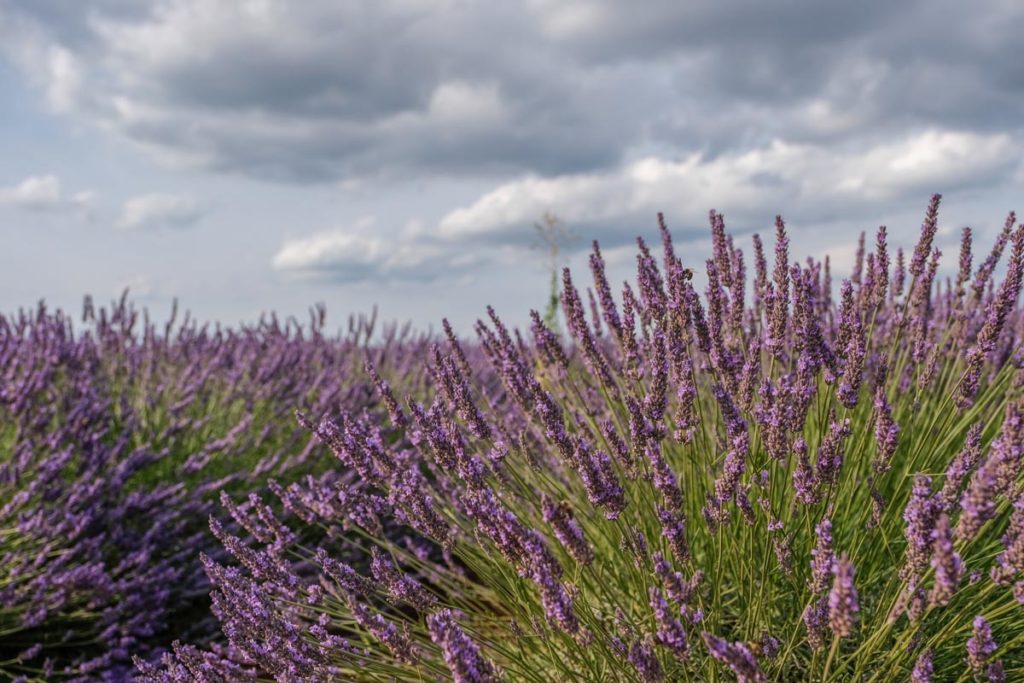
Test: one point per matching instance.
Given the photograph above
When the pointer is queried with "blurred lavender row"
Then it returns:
(117, 434)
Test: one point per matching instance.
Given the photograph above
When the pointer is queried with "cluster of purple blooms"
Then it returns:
(789, 485)
(116, 436)
(766, 480)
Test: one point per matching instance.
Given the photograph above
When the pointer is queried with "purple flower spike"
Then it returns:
(815, 619)
(980, 645)
(928, 229)
(823, 559)
(919, 516)
(671, 634)
(887, 432)
(645, 661)
(461, 654)
(959, 469)
(986, 269)
(737, 656)
(842, 600)
(923, 668)
(949, 570)
(778, 291)
(567, 530)
(1010, 562)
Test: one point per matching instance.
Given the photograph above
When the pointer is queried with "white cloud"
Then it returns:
(569, 20)
(64, 79)
(808, 182)
(934, 158)
(354, 254)
(84, 198)
(817, 179)
(330, 250)
(44, 193)
(139, 286)
(35, 192)
(465, 103)
(160, 210)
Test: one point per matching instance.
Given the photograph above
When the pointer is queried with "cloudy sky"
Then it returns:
(265, 155)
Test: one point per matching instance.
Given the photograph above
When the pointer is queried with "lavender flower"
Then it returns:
(899, 274)
(919, 516)
(547, 343)
(651, 287)
(994, 475)
(923, 668)
(685, 416)
(949, 569)
(604, 292)
(960, 468)
(719, 247)
(737, 656)
(995, 319)
(815, 618)
(732, 469)
(673, 528)
(645, 662)
(823, 558)
(924, 245)
(398, 585)
(853, 367)
(986, 269)
(842, 600)
(770, 645)
(761, 274)
(670, 634)
(545, 573)
(567, 530)
(807, 492)
(678, 588)
(830, 453)
(576, 321)
(964, 272)
(664, 479)
(887, 432)
(881, 270)
(461, 654)
(599, 479)
(1010, 561)
(395, 640)
(980, 645)
(778, 291)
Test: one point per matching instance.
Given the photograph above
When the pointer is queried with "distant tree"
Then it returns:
(553, 234)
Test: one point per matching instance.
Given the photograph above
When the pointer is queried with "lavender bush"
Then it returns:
(116, 436)
(805, 485)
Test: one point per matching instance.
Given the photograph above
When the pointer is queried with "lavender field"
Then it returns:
(794, 474)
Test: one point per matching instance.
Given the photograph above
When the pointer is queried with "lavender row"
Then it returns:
(116, 437)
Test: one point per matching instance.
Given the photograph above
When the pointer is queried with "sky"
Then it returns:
(265, 155)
